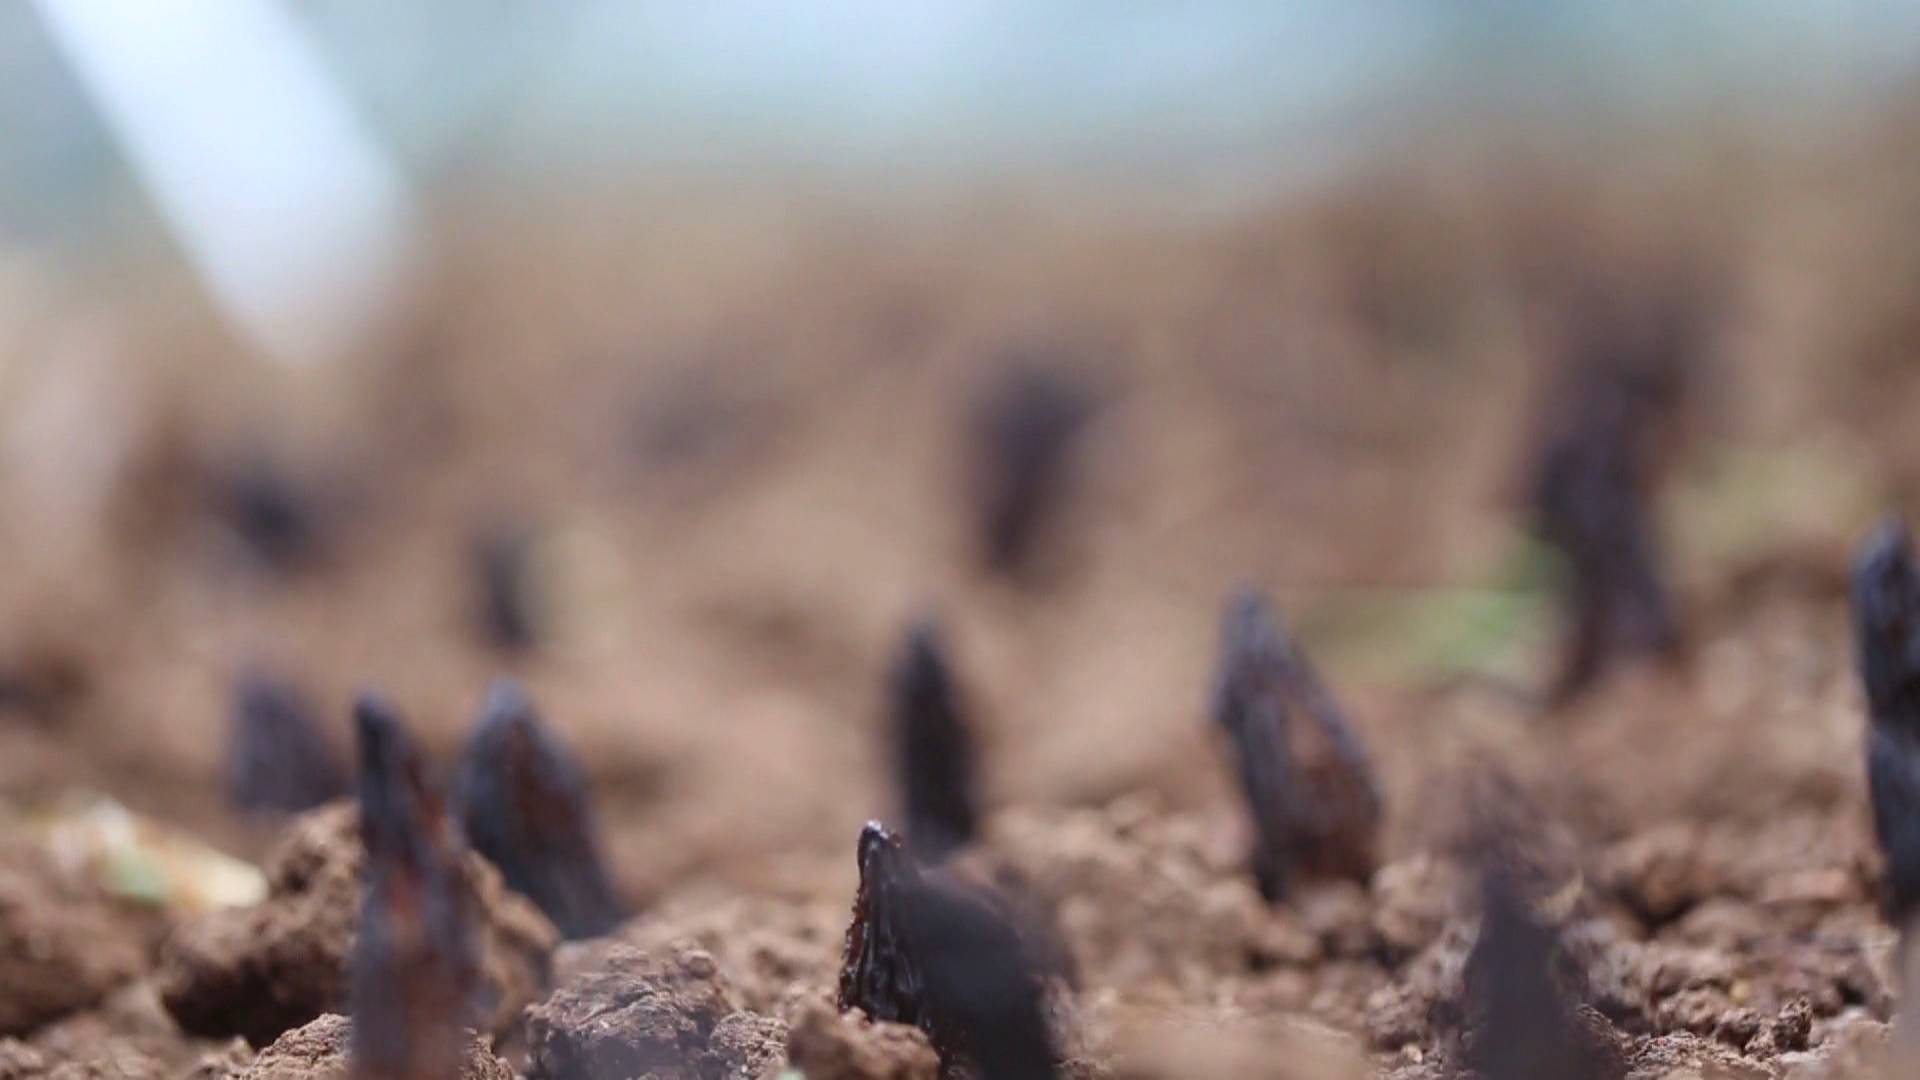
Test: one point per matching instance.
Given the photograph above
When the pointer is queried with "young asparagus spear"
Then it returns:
(415, 967)
(878, 975)
(277, 758)
(926, 950)
(1597, 464)
(1886, 616)
(523, 799)
(1521, 1023)
(1025, 425)
(933, 748)
(506, 601)
(1306, 778)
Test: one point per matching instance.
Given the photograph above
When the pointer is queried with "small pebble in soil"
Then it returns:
(927, 950)
(933, 749)
(1026, 423)
(1309, 786)
(278, 759)
(524, 801)
(415, 965)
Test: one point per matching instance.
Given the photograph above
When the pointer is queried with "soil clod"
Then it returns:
(258, 971)
(321, 1050)
(63, 946)
(828, 1045)
(669, 1016)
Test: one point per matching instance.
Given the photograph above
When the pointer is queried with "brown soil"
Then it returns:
(66, 947)
(827, 1043)
(669, 1015)
(734, 431)
(319, 1050)
(257, 972)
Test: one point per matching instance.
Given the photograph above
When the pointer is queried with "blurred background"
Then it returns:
(668, 356)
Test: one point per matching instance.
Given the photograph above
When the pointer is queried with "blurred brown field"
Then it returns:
(719, 423)
(731, 416)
